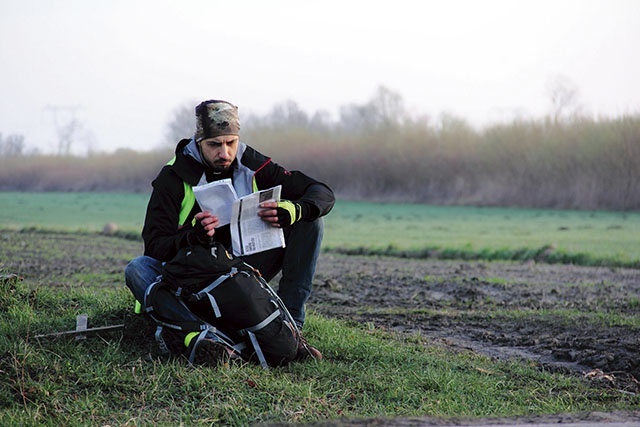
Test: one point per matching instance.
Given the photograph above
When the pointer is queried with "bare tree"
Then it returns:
(388, 107)
(183, 124)
(12, 145)
(563, 94)
(354, 118)
(287, 114)
(385, 110)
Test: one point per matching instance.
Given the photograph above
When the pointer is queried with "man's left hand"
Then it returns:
(281, 214)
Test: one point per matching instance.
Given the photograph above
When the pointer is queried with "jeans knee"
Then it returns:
(140, 272)
(133, 269)
(314, 228)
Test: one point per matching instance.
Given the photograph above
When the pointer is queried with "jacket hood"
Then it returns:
(191, 149)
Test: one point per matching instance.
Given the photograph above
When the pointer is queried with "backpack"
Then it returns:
(228, 299)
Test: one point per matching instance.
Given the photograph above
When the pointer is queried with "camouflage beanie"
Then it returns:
(215, 118)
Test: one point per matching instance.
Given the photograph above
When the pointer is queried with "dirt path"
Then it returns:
(472, 305)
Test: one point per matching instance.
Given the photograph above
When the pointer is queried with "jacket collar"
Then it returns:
(188, 168)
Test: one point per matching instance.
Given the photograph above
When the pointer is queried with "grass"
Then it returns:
(449, 232)
(81, 211)
(367, 373)
(118, 378)
(578, 237)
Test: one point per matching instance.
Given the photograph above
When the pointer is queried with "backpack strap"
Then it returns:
(198, 295)
(258, 350)
(265, 322)
(276, 298)
(164, 348)
(205, 292)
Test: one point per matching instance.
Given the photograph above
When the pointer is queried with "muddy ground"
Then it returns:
(471, 305)
(466, 306)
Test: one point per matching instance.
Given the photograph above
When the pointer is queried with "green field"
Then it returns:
(580, 237)
(72, 211)
(369, 372)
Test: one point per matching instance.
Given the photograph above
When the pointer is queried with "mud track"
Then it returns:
(545, 314)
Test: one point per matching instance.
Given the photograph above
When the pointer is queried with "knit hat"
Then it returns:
(215, 118)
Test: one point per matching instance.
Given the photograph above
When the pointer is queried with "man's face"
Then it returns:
(220, 152)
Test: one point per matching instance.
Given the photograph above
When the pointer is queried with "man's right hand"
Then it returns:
(204, 228)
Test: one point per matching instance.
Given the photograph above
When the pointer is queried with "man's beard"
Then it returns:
(220, 167)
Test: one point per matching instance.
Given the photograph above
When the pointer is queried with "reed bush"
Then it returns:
(579, 163)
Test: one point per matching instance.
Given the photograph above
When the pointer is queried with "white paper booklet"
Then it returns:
(249, 233)
(217, 197)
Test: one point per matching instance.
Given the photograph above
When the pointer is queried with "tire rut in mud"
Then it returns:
(546, 314)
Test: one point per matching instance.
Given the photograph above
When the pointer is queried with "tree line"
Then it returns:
(377, 151)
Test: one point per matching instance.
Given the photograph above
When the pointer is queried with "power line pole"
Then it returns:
(67, 125)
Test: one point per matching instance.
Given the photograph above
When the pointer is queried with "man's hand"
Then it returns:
(204, 229)
(281, 214)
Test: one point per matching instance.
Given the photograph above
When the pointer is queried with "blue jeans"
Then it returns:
(297, 261)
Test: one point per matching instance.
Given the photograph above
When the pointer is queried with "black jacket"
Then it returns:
(163, 236)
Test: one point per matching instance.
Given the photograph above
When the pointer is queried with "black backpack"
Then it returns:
(228, 299)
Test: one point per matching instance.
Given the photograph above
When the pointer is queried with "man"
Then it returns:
(174, 219)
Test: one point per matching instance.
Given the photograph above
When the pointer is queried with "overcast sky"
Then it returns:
(121, 67)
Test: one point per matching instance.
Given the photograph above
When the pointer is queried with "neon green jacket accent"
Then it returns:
(188, 201)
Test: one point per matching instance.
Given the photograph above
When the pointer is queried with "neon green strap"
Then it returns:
(188, 201)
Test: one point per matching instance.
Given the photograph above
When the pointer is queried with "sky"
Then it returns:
(121, 68)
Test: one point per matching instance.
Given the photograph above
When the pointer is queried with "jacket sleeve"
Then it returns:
(296, 186)
(161, 233)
